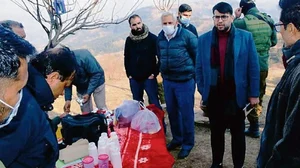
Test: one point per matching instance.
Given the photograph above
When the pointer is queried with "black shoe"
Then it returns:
(172, 146)
(216, 165)
(253, 134)
(183, 154)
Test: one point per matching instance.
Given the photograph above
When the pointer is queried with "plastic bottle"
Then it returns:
(102, 147)
(93, 152)
(115, 157)
(115, 139)
(88, 162)
(104, 135)
(103, 161)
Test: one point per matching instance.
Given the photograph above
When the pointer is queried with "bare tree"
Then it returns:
(164, 5)
(62, 20)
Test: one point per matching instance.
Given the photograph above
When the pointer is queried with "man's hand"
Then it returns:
(67, 107)
(253, 101)
(85, 98)
(63, 115)
(238, 12)
(151, 76)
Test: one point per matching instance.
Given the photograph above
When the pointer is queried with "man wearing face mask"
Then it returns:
(140, 61)
(227, 76)
(184, 18)
(262, 28)
(26, 138)
(43, 86)
(176, 50)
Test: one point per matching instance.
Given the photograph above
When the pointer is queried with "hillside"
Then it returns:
(111, 39)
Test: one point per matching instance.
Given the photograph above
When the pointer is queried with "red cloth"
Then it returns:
(223, 37)
(140, 150)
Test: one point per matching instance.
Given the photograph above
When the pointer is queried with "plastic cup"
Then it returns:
(103, 161)
(88, 162)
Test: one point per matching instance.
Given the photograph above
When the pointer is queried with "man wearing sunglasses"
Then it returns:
(227, 76)
(280, 145)
(261, 27)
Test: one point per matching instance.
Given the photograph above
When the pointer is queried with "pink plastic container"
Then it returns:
(88, 162)
(103, 161)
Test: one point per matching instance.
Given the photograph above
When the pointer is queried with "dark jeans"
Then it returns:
(179, 98)
(219, 122)
(149, 85)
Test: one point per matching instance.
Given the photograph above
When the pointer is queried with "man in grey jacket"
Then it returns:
(89, 79)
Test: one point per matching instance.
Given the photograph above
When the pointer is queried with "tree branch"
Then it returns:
(79, 16)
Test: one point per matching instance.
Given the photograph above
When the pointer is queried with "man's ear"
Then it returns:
(52, 76)
(292, 28)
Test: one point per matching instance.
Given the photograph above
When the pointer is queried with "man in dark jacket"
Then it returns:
(227, 75)
(280, 145)
(48, 64)
(140, 61)
(177, 48)
(50, 72)
(89, 79)
(26, 138)
(184, 17)
(261, 27)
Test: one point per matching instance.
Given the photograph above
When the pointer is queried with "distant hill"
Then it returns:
(112, 38)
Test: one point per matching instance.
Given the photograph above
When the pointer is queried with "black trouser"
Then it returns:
(219, 122)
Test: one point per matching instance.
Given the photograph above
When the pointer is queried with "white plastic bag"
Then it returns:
(125, 112)
(145, 121)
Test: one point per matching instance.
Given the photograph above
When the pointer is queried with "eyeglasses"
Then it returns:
(223, 17)
(277, 26)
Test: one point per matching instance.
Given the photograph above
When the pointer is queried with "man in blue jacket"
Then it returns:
(227, 76)
(89, 79)
(176, 50)
(50, 72)
(26, 138)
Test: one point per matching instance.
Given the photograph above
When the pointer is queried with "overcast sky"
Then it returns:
(35, 33)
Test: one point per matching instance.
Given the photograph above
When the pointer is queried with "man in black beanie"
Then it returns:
(264, 35)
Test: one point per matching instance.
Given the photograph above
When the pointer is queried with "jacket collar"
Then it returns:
(292, 52)
(40, 89)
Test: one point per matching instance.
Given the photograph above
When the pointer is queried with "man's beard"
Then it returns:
(138, 31)
(226, 29)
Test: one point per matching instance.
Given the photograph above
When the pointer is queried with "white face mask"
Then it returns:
(13, 112)
(168, 29)
(184, 20)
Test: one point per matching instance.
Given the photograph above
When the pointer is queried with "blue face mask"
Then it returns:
(13, 112)
(184, 20)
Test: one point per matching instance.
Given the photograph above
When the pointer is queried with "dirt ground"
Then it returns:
(200, 156)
